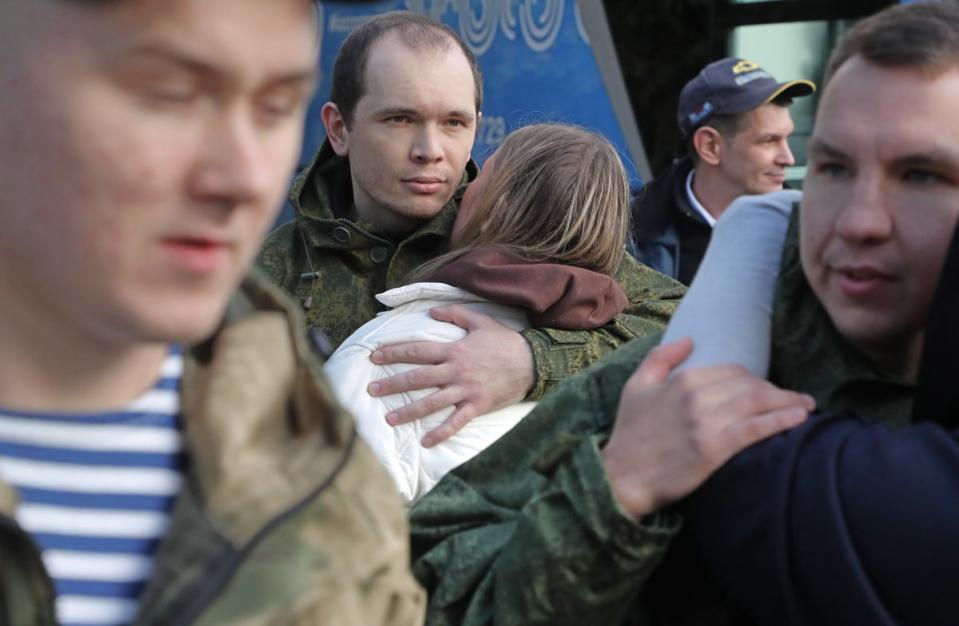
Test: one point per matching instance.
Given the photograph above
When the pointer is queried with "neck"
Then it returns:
(714, 193)
(902, 361)
(51, 365)
(381, 217)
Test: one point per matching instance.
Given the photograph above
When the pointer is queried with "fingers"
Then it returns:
(743, 433)
(424, 377)
(453, 424)
(660, 362)
(700, 387)
(432, 403)
(462, 317)
(415, 352)
(751, 396)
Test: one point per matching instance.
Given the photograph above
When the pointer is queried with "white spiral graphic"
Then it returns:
(579, 24)
(507, 21)
(539, 21)
(441, 6)
(479, 31)
(540, 33)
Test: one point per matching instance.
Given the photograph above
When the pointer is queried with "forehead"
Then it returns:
(427, 78)
(768, 119)
(887, 112)
(246, 35)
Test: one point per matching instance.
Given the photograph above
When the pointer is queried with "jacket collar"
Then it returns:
(654, 209)
(262, 427)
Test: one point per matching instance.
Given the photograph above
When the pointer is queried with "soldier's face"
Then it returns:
(881, 203)
(411, 132)
(146, 148)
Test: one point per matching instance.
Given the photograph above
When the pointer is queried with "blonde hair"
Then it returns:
(556, 193)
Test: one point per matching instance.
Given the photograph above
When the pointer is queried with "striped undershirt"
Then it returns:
(96, 495)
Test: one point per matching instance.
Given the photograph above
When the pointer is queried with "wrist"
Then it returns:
(526, 374)
(631, 494)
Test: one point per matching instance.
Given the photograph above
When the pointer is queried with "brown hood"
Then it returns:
(555, 295)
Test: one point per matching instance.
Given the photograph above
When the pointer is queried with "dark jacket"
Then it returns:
(668, 234)
(844, 520)
(337, 266)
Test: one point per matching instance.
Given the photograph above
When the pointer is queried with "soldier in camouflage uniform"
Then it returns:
(147, 147)
(577, 530)
(363, 222)
(287, 518)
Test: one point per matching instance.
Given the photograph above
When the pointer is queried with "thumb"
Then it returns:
(660, 362)
(462, 317)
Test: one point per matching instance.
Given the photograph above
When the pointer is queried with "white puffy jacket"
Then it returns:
(414, 468)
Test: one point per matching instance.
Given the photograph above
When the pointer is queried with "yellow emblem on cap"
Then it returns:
(745, 66)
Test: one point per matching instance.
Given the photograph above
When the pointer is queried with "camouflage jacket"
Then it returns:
(546, 543)
(335, 267)
(285, 516)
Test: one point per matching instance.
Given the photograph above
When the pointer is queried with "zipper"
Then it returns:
(221, 579)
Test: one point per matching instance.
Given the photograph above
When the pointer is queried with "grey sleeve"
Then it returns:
(728, 309)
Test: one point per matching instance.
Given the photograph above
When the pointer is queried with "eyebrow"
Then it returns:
(936, 156)
(391, 111)
(305, 76)
(822, 148)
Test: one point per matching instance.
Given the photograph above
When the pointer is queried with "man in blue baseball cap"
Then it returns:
(735, 118)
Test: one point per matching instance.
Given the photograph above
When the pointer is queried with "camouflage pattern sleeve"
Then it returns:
(558, 354)
(528, 532)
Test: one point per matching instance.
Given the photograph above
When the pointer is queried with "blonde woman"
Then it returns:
(538, 236)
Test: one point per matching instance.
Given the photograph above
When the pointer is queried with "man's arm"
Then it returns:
(528, 531)
(555, 525)
(837, 522)
(559, 354)
(494, 366)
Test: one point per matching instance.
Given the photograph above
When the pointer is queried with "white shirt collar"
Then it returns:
(695, 203)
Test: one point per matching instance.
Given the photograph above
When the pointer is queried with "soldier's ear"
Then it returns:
(708, 144)
(336, 131)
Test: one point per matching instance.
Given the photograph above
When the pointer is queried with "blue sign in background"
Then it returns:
(535, 57)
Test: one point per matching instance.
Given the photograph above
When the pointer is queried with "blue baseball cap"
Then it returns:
(732, 85)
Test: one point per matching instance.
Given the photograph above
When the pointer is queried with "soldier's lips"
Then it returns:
(425, 185)
(196, 254)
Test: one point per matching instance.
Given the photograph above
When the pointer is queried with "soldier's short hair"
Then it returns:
(416, 31)
(922, 36)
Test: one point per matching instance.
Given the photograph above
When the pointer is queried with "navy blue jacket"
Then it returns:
(668, 234)
(837, 522)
